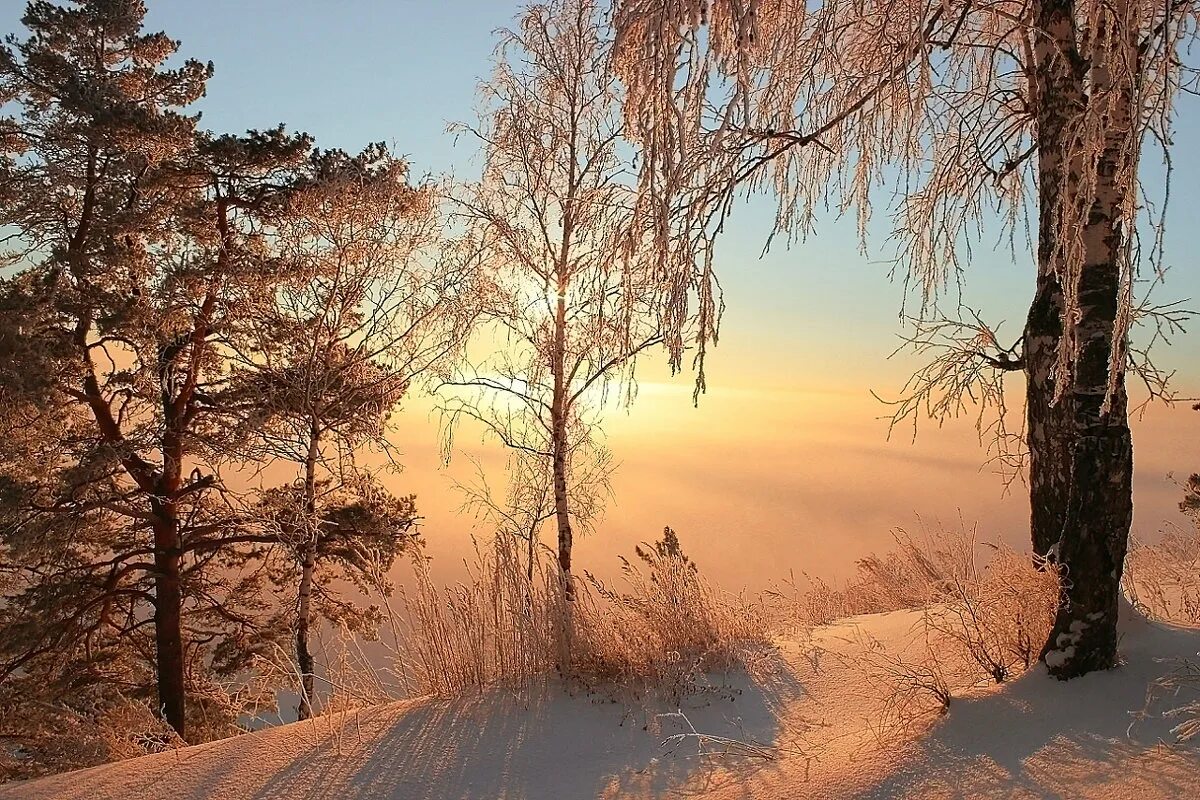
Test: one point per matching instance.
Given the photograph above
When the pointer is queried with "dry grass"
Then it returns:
(348, 679)
(495, 628)
(1183, 684)
(656, 632)
(997, 616)
(1163, 580)
(985, 612)
(910, 576)
(663, 627)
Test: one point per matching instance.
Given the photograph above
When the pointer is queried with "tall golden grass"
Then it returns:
(655, 630)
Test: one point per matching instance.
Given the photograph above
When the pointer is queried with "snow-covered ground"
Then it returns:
(816, 717)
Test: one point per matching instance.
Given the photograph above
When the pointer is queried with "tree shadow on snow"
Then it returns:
(1038, 738)
(547, 745)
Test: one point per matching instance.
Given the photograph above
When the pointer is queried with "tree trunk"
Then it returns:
(304, 658)
(1100, 506)
(168, 619)
(178, 398)
(1048, 423)
(531, 545)
(308, 557)
(1092, 552)
(1099, 509)
(1058, 99)
(561, 509)
(559, 445)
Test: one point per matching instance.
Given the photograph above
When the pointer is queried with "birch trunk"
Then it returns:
(559, 445)
(1059, 82)
(531, 548)
(1099, 508)
(1048, 424)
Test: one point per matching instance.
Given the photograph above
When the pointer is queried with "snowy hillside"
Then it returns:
(811, 726)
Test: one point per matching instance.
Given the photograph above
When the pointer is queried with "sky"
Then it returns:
(786, 464)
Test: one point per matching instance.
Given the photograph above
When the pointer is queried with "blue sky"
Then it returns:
(356, 71)
(814, 323)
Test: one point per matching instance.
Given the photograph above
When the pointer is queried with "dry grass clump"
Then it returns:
(496, 627)
(1183, 683)
(1163, 580)
(348, 679)
(658, 631)
(984, 617)
(664, 627)
(997, 616)
(1179, 691)
(910, 576)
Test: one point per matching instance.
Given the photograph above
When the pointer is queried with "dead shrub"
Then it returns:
(998, 616)
(918, 687)
(979, 618)
(56, 737)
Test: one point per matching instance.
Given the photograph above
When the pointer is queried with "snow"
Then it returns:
(1031, 738)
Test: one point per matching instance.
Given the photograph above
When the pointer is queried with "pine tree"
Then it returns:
(139, 246)
(328, 357)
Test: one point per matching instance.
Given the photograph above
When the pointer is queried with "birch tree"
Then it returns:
(551, 225)
(1014, 109)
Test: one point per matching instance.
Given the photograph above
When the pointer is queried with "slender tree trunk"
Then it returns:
(308, 556)
(1098, 512)
(531, 548)
(168, 617)
(304, 658)
(1059, 99)
(559, 444)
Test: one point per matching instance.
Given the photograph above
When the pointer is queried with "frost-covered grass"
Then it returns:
(982, 613)
(908, 576)
(985, 601)
(654, 631)
(1163, 579)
